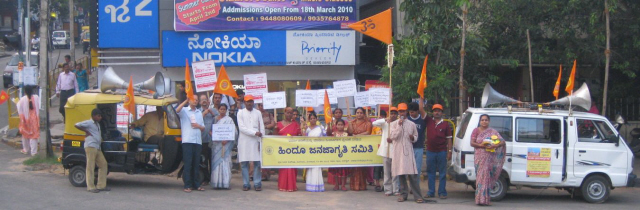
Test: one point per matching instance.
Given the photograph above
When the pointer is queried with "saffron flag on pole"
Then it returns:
(224, 86)
(309, 109)
(556, 89)
(423, 78)
(327, 108)
(3, 97)
(129, 102)
(572, 79)
(188, 87)
(377, 26)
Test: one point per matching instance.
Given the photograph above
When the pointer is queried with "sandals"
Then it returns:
(200, 189)
(378, 189)
(336, 188)
(24, 152)
(401, 199)
(344, 188)
(187, 190)
(419, 201)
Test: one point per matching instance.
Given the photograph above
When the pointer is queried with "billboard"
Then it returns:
(226, 15)
(128, 24)
(260, 48)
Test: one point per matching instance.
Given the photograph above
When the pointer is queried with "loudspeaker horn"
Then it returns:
(580, 97)
(167, 85)
(491, 96)
(156, 84)
(111, 81)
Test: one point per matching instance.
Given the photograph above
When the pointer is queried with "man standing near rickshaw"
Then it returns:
(94, 155)
(192, 125)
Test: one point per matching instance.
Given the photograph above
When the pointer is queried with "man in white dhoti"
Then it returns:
(251, 128)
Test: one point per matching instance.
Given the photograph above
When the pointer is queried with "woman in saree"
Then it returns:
(221, 164)
(360, 126)
(489, 157)
(288, 127)
(315, 181)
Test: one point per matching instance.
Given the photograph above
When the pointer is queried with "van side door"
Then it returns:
(538, 151)
(595, 149)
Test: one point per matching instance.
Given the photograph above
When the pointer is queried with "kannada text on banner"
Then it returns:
(305, 152)
(225, 15)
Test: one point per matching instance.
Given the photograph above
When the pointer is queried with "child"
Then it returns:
(341, 173)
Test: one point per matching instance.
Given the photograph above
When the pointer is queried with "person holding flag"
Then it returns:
(192, 124)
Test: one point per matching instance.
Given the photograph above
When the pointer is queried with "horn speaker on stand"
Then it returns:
(111, 81)
(580, 97)
(491, 96)
(156, 84)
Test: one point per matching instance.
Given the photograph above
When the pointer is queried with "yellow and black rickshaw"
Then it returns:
(123, 153)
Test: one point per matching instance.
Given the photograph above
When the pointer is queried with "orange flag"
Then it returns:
(308, 88)
(377, 26)
(3, 97)
(327, 108)
(224, 86)
(556, 89)
(423, 78)
(129, 102)
(572, 79)
(188, 87)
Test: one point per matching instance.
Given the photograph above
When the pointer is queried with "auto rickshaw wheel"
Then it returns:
(77, 176)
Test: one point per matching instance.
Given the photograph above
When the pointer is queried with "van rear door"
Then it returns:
(538, 151)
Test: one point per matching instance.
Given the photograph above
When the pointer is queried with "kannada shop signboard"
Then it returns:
(260, 48)
(227, 15)
(128, 24)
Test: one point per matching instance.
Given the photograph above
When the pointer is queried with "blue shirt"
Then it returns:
(421, 125)
(190, 134)
(209, 120)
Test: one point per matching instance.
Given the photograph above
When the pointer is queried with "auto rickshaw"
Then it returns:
(123, 153)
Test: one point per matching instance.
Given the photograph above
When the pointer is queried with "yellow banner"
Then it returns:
(305, 152)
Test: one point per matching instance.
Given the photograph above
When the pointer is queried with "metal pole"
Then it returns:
(43, 66)
(72, 43)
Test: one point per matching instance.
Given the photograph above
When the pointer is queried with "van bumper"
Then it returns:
(631, 180)
(460, 178)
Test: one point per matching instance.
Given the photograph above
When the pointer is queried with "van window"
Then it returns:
(58, 34)
(595, 131)
(502, 124)
(173, 120)
(531, 130)
(466, 117)
(17, 58)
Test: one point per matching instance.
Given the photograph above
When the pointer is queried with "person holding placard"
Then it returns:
(359, 126)
(315, 182)
(287, 176)
(192, 125)
(251, 128)
(221, 164)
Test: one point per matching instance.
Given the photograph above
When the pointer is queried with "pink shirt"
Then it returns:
(67, 81)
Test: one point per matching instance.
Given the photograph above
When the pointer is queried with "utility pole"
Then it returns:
(607, 54)
(461, 87)
(72, 45)
(43, 68)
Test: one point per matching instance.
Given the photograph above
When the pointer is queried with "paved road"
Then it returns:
(22, 189)
(55, 57)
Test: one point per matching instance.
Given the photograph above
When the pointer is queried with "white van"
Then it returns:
(588, 156)
(61, 38)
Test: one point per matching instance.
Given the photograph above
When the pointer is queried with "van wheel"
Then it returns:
(595, 189)
(77, 176)
(499, 189)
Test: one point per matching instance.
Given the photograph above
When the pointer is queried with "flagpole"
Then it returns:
(390, 64)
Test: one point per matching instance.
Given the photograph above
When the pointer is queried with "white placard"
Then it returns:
(306, 98)
(378, 96)
(345, 88)
(223, 132)
(327, 47)
(29, 75)
(204, 75)
(141, 110)
(255, 85)
(361, 99)
(275, 100)
(332, 97)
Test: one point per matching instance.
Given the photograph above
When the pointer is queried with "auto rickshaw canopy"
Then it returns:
(80, 105)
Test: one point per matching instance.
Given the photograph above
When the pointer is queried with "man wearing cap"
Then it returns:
(403, 133)
(439, 136)
(251, 128)
(390, 183)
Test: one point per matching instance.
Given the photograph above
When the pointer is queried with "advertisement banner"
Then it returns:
(259, 48)
(538, 162)
(227, 15)
(305, 152)
(255, 85)
(204, 74)
(128, 24)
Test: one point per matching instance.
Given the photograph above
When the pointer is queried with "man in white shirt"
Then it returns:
(391, 184)
(251, 128)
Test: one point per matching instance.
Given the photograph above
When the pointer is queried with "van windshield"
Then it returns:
(17, 58)
(58, 34)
